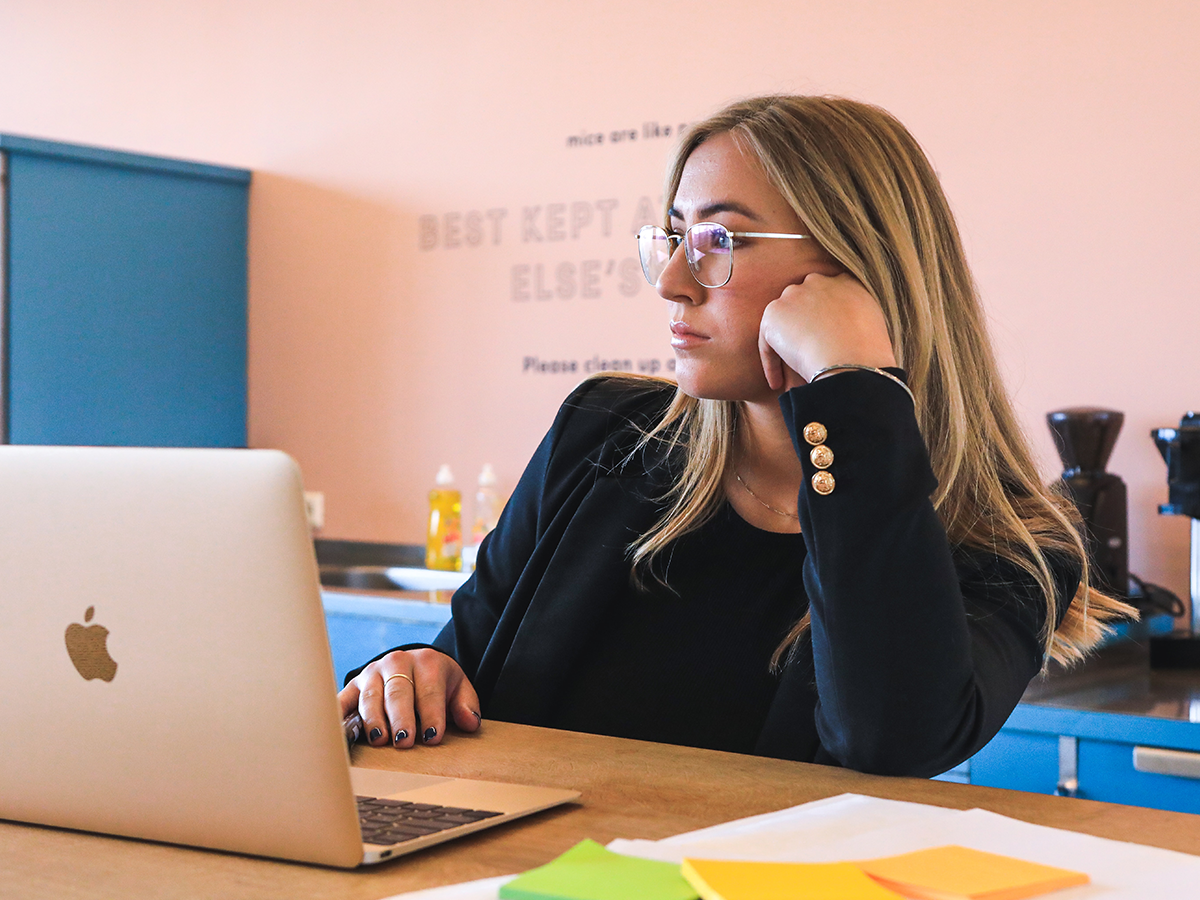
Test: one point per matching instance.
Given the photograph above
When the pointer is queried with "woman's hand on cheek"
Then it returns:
(823, 321)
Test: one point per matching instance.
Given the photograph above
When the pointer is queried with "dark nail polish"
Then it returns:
(401, 735)
(430, 734)
(375, 733)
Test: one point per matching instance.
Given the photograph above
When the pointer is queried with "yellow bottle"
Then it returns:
(443, 545)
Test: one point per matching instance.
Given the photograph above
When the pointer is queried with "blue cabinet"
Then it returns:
(1020, 760)
(124, 294)
(1114, 730)
(361, 626)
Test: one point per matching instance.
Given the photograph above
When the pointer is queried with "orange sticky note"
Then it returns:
(959, 873)
(719, 880)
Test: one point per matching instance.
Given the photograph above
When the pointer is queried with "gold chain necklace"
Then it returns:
(778, 512)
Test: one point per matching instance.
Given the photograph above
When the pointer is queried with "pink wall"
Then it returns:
(1066, 135)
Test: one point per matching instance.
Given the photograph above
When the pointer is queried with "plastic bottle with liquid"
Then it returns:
(488, 504)
(443, 545)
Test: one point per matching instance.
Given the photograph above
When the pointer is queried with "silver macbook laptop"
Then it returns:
(165, 671)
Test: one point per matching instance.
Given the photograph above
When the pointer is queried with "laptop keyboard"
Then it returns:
(395, 821)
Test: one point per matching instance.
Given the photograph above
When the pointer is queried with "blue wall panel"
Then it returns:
(127, 302)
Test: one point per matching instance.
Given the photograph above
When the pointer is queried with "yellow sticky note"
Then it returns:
(955, 873)
(720, 880)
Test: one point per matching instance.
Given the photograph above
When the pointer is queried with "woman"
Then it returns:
(829, 542)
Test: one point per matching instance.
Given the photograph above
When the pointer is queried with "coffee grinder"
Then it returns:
(1085, 437)
(1180, 447)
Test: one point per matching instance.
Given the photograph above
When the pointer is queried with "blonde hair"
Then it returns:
(867, 193)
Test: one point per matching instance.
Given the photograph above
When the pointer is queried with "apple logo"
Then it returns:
(87, 647)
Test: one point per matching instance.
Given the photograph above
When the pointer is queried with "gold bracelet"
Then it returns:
(817, 374)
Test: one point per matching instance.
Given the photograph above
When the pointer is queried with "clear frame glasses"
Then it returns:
(707, 246)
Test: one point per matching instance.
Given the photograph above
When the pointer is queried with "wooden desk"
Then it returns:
(630, 789)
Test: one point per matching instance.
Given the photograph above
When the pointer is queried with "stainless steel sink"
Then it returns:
(391, 578)
(396, 568)
(371, 578)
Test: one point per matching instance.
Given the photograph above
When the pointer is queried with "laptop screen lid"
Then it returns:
(163, 655)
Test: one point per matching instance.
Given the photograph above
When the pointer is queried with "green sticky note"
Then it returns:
(589, 872)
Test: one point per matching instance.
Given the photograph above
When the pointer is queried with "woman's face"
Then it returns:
(714, 331)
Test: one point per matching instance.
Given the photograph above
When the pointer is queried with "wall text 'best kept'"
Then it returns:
(535, 223)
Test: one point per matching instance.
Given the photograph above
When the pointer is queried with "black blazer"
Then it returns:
(918, 653)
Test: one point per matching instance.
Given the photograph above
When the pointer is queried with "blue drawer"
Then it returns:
(1106, 772)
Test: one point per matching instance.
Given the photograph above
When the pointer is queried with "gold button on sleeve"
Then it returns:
(823, 483)
(815, 433)
(821, 456)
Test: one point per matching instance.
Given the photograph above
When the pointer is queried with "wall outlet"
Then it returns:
(314, 505)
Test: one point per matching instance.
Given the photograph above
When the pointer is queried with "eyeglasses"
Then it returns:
(707, 246)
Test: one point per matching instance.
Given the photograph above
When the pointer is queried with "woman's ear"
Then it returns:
(827, 264)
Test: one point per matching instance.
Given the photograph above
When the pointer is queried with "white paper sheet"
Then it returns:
(788, 835)
(851, 826)
(483, 889)
(1119, 870)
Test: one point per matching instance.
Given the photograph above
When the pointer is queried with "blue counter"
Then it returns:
(361, 625)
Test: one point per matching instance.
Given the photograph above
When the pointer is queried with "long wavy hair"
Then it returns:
(867, 193)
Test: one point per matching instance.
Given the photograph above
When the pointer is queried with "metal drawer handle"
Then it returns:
(1167, 762)
(1068, 766)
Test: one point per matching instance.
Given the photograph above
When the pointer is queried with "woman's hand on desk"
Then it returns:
(411, 691)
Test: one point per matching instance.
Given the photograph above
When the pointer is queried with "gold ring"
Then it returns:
(399, 675)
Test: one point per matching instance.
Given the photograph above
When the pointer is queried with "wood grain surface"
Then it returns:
(630, 789)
